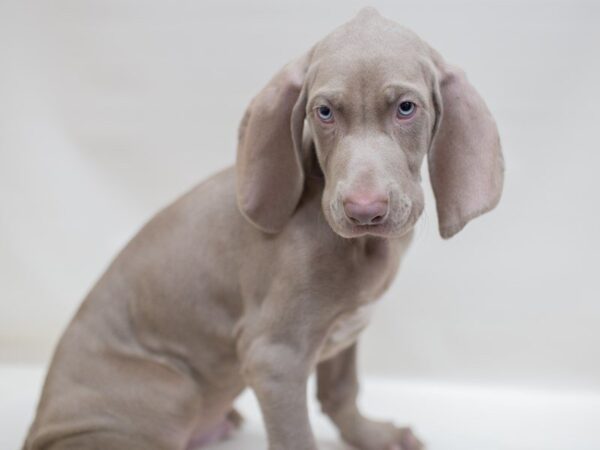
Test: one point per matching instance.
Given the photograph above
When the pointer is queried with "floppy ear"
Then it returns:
(466, 166)
(270, 178)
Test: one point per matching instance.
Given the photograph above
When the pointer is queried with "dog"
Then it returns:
(267, 271)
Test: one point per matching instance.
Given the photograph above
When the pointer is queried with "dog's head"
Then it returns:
(374, 99)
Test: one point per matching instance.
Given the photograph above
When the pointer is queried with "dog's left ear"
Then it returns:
(270, 178)
(466, 166)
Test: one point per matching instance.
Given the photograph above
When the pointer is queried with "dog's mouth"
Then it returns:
(352, 230)
(380, 230)
(391, 227)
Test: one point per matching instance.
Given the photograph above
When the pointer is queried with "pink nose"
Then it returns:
(366, 210)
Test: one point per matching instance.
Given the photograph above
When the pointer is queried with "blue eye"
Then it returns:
(325, 113)
(406, 109)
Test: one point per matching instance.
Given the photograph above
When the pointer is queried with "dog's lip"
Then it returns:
(384, 230)
(352, 230)
(375, 227)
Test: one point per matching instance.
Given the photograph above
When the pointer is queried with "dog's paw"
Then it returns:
(406, 440)
(224, 430)
(371, 435)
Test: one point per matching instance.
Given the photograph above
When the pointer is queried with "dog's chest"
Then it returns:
(345, 331)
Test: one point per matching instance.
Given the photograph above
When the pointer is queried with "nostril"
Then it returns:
(377, 219)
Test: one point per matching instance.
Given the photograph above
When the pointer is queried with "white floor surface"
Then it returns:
(447, 417)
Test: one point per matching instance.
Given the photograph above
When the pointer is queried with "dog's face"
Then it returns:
(376, 99)
(371, 112)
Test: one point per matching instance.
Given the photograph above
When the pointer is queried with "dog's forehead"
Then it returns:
(369, 47)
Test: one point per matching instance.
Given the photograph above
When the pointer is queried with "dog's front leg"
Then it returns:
(278, 353)
(337, 390)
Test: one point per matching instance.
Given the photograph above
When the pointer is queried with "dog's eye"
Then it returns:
(406, 109)
(325, 113)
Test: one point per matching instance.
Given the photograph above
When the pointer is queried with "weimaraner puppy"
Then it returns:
(267, 271)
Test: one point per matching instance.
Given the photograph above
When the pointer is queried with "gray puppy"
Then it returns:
(266, 272)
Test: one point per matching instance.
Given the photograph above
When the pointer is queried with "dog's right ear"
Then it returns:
(270, 178)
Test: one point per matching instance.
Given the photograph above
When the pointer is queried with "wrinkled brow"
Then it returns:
(394, 91)
(326, 96)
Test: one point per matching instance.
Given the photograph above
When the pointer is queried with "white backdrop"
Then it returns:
(110, 109)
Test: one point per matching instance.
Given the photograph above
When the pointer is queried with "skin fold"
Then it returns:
(267, 271)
